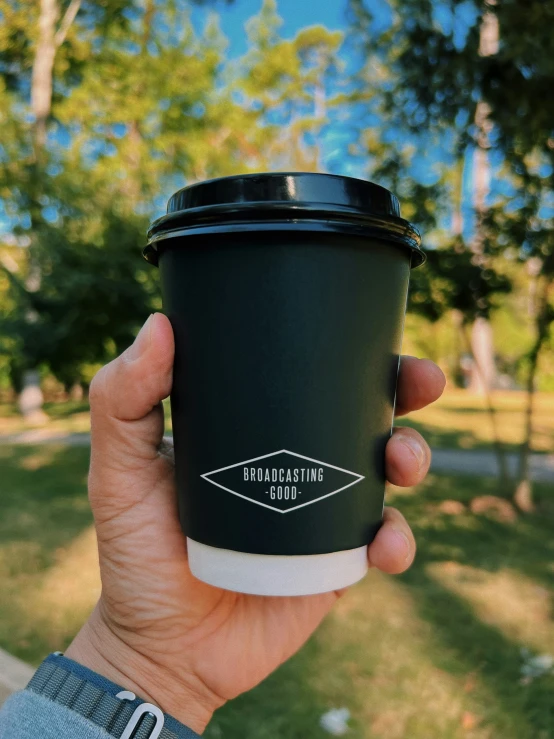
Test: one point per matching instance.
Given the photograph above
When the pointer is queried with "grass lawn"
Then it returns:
(460, 420)
(457, 420)
(69, 417)
(433, 654)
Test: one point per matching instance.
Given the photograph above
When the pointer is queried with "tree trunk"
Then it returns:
(43, 66)
(49, 39)
(320, 114)
(483, 375)
(76, 392)
(457, 226)
(503, 472)
(31, 400)
(132, 185)
(456, 368)
(523, 495)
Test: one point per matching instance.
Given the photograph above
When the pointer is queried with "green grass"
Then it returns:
(44, 514)
(67, 417)
(433, 654)
(460, 420)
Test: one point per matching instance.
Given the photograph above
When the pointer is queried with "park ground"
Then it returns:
(433, 654)
(457, 421)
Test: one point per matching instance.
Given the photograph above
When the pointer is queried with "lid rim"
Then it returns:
(275, 209)
(407, 238)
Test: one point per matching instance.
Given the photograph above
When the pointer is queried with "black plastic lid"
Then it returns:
(283, 201)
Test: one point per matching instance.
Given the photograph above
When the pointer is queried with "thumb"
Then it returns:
(126, 415)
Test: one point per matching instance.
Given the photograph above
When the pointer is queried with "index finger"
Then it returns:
(420, 382)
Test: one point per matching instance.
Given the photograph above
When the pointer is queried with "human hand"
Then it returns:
(175, 641)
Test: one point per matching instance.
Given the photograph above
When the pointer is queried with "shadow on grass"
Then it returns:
(459, 642)
(44, 513)
(43, 504)
(440, 438)
(466, 643)
(526, 545)
(43, 497)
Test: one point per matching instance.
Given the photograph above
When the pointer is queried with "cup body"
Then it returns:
(287, 295)
(286, 357)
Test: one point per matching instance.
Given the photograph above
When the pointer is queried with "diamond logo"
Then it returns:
(282, 481)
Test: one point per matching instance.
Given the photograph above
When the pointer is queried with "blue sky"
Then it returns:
(295, 14)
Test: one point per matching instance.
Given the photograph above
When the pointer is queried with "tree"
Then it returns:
(443, 82)
(135, 108)
(532, 226)
(483, 376)
(294, 84)
(50, 37)
(29, 51)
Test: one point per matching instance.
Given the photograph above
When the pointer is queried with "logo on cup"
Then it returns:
(282, 481)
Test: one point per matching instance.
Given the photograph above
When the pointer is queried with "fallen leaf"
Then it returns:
(469, 720)
(498, 508)
(452, 507)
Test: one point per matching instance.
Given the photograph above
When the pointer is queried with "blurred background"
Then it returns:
(105, 109)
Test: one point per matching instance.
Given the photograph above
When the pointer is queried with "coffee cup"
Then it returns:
(287, 296)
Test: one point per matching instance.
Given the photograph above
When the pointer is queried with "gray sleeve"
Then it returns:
(27, 715)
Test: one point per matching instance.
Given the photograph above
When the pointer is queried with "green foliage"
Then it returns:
(454, 280)
(293, 83)
(142, 104)
(437, 74)
(92, 295)
(137, 108)
(447, 89)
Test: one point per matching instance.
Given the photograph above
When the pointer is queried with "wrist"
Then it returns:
(99, 648)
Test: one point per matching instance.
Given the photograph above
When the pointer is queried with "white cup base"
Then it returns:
(276, 574)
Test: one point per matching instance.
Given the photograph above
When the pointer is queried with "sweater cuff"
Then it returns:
(77, 696)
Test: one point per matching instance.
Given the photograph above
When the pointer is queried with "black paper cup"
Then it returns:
(287, 295)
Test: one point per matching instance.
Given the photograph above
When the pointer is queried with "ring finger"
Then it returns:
(407, 457)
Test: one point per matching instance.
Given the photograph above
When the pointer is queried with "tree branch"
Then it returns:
(67, 20)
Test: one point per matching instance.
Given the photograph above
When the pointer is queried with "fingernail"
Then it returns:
(416, 447)
(142, 340)
(405, 542)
